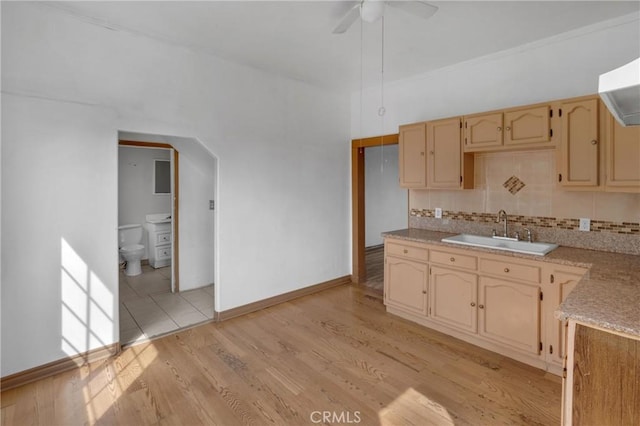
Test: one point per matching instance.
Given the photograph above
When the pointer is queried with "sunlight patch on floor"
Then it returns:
(414, 408)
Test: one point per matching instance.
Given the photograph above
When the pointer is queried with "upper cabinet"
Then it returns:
(431, 156)
(447, 166)
(622, 157)
(527, 126)
(411, 153)
(514, 128)
(482, 131)
(594, 152)
(579, 151)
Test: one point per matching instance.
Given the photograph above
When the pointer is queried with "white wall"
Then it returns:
(385, 202)
(560, 67)
(135, 187)
(283, 163)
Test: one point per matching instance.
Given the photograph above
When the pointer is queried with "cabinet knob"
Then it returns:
(424, 291)
(499, 129)
(481, 306)
(507, 128)
(452, 259)
(473, 304)
(431, 152)
(405, 251)
(422, 153)
(506, 269)
(594, 142)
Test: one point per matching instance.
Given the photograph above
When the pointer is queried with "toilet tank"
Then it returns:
(129, 234)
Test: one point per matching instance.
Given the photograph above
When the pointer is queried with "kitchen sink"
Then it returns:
(537, 248)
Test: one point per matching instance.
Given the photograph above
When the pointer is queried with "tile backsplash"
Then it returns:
(524, 184)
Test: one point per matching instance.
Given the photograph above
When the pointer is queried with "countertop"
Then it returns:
(607, 297)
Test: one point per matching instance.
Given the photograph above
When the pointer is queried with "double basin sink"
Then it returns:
(537, 248)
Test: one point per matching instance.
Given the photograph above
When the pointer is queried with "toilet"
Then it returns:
(130, 248)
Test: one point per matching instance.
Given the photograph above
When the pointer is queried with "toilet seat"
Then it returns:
(131, 248)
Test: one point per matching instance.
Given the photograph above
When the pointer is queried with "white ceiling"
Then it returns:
(294, 38)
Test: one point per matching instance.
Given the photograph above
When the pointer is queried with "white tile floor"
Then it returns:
(149, 309)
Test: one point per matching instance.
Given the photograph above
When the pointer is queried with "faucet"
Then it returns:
(502, 216)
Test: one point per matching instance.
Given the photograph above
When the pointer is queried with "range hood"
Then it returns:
(620, 91)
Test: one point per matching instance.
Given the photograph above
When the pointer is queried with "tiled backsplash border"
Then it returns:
(629, 228)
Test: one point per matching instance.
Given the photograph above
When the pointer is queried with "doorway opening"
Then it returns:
(165, 298)
(367, 259)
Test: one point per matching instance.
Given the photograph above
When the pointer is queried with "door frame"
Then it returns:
(358, 267)
(176, 212)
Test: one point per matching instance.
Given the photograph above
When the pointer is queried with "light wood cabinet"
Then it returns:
(601, 385)
(482, 131)
(412, 147)
(527, 126)
(447, 166)
(562, 281)
(579, 143)
(514, 128)
(509, 314)
(622, 157)
(453, 298)
(405, 285)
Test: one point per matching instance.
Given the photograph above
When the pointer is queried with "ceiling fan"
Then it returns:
(372, 10)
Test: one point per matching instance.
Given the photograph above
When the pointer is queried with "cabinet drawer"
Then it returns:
(410, 252)
(515, 271)
(164, 237)
(454, 259)
(163, 252)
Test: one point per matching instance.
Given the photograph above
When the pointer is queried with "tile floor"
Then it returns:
(149, 309)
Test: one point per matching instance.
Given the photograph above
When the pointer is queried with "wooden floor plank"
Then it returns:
(336, 351)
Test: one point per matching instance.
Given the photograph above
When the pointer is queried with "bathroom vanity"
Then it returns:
(159, 238)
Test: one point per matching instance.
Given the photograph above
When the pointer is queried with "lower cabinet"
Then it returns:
(562, 282)
(509, 314)
(453, 298)
(405, 285)
(498, 302)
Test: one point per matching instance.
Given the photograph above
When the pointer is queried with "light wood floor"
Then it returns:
(374, 269)
(336, 351)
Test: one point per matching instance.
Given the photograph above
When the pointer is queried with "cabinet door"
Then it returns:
(411, 153)
(444, 154)
(623, 157)
(579, 164)
(453, 296)
(482, 131)
(509, 314)
(405, 285)
(527, 126)
(563, 283)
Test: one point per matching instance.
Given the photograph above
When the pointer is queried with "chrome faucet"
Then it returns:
(502, 216)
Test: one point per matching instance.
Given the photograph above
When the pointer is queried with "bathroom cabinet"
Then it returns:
(159, 244)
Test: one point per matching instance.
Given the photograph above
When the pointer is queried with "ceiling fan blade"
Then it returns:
(418, 8)
(347, 20)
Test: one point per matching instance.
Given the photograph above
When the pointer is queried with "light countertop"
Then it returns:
(607, 297)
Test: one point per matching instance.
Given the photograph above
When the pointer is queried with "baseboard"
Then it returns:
(59, 366)
(281, 298)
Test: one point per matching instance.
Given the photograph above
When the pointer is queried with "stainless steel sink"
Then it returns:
(537, 248)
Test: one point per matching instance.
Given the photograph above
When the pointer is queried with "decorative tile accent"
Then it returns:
(629, 228)
(513, 185)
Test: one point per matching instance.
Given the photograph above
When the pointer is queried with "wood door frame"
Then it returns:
(358, 270)
(175, 191)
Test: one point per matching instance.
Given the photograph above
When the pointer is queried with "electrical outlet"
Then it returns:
(438, 213)
(585, 224)
(212, 205)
